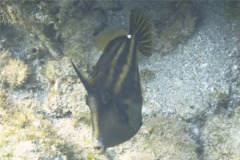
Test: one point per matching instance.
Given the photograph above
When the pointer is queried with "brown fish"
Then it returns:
(114, 91)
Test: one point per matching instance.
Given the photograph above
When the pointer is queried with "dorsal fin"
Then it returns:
(141, 28)
(85, 82)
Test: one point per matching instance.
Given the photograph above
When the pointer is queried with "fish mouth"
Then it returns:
(98, 146)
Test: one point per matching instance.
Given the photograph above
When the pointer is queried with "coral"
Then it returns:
(47, 43)
(15, 72)
(53, 105)
(8, 13)
(22, 16)
(4, 57)
(231, 10)
(232, 16)
(19, 125)
(4, 103)
(27, 129)
(147, 74)
(220, 137)
(62, 98)
(177, 26)
(12, 71)
(90, 156)
(161, 138)
(27, 135)
(52, 71)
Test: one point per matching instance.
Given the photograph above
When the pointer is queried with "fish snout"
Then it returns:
(98, 145)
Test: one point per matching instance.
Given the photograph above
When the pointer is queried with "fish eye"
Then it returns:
(98, 146)
(99, 149)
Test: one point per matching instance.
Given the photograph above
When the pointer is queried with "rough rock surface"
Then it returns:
(190, 83)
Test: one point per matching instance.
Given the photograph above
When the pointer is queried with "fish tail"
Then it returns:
(141, 29)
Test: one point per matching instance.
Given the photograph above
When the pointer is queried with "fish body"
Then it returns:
(114, 91)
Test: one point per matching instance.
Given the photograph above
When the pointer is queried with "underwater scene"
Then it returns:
(119, 80)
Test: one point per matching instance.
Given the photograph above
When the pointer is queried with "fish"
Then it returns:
(114, 91)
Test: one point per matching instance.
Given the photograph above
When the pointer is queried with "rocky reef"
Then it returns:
(190, 84)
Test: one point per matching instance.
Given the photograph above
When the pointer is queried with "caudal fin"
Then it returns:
(141, 28)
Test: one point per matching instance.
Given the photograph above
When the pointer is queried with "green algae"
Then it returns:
(14, 72)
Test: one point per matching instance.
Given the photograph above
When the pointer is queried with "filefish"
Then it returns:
(114, 91)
